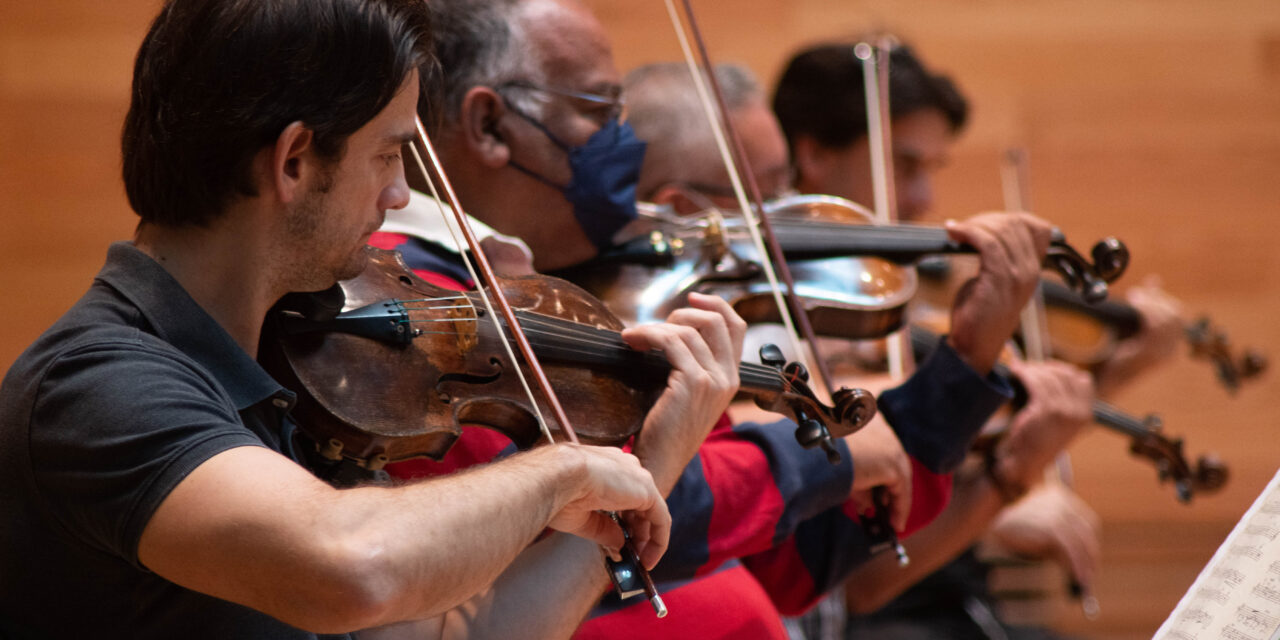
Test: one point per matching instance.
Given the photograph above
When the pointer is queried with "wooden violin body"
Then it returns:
(1087, 335)
(374, 400)
(845, 296)
(391, 366)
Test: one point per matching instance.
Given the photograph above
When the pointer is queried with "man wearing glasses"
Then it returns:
(524, 107)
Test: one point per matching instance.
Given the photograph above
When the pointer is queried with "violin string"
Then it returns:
(438, 307)
(584, 335)
(433, 299)
(586, 338)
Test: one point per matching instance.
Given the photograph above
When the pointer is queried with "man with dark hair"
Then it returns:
(822, 109)
(146, 456)
(665, 111)
(820, 103)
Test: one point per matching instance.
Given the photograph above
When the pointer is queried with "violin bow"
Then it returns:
(1015, 174)
(734, 156)
(624, 573)
(875, 78)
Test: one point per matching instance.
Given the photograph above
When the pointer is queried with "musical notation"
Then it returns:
(1237, 595)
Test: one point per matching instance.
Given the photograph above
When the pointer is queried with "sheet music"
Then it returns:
(1237, 595)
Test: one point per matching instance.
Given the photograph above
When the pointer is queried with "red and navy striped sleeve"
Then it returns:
(936, 414)
(825, 549)
(747, 489)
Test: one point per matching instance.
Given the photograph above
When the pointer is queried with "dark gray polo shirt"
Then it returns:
(99, 420)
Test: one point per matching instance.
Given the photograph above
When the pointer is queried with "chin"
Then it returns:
(355, 266)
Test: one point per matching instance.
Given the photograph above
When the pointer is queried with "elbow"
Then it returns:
(352, 587)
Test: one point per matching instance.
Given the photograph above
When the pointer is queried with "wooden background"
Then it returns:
(1154, 120)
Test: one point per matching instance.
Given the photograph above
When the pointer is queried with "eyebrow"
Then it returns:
(401, 138)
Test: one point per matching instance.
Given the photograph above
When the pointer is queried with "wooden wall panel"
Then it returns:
(1154, 120)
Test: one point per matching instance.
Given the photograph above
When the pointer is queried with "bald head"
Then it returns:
(663, 106)
(491, 42)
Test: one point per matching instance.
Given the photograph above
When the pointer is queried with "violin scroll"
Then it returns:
(816, 424)
(1110, 260)
(1210, 342)
(1208, 475)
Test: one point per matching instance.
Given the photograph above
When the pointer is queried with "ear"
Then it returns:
(480, 120)
(675, 197)
(293, 162)
(811, 160)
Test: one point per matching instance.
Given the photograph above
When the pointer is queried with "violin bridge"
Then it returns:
(465, 327)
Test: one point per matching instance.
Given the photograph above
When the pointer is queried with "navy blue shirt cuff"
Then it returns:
(939, 410)
(807, 482)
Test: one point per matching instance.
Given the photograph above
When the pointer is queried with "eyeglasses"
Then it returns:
(776, 184)
(617, 106)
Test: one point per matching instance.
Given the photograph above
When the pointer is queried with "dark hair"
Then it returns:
(820, 94)
(215, 81)
(474, 42)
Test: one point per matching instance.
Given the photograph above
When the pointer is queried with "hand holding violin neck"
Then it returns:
(810, 239)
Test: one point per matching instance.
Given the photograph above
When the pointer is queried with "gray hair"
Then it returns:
(476, 43)
(663, 107)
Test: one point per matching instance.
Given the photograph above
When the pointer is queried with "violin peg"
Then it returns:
(833, 455)
(1152, 423)
(1184, 491)
(771, 355)
(1094, 290)
(810, 433)
(1252, 364)
(796, 371)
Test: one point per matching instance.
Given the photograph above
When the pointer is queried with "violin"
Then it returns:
(388, 367)
(850, 275)
(810, 230)
(1087, 335)
(1207, 475)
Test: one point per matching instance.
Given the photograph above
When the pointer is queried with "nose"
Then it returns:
(396, 195)
(915, 198)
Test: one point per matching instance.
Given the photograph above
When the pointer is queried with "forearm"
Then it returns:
(438, 543)
(974, 505)
(545, 593)
(252, 527)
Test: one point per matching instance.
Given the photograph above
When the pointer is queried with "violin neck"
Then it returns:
(1118, 420)
(900, 243)
(1105, 415)
(557, 340)
(758, 379)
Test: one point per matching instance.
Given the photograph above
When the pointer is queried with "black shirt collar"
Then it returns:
(182, 322)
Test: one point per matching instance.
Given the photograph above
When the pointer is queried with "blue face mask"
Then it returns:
(603, 176)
